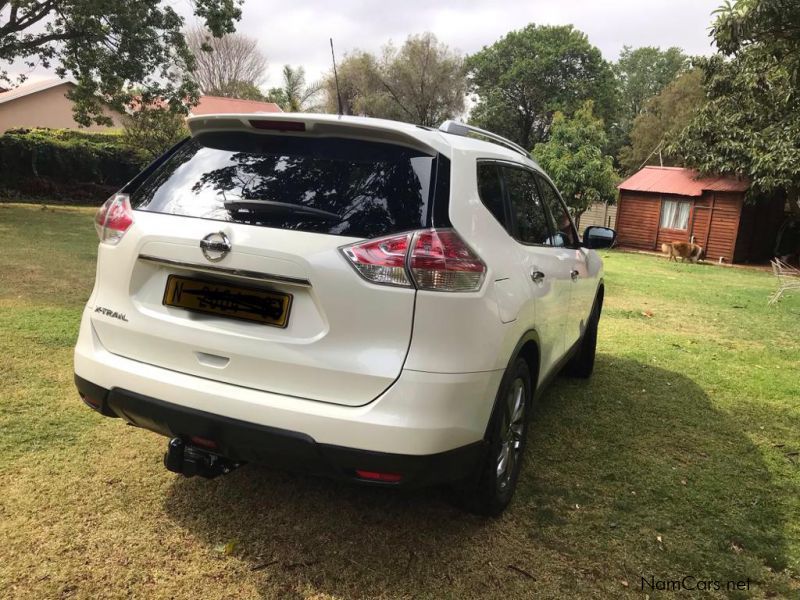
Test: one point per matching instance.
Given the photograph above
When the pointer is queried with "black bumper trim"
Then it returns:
(290, 450)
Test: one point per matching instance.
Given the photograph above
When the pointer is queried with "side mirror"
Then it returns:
(598, 237)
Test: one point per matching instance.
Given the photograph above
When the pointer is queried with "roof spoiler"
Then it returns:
(310, 125)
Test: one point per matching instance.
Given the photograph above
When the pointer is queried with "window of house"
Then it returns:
(674, 214)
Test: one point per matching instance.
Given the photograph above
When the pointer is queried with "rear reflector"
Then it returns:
(434, 259)
(203, 442)
(90, 401)
(278, 125)
(375, 476)
(114, 218)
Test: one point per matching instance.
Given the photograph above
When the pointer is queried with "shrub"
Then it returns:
(37, 161)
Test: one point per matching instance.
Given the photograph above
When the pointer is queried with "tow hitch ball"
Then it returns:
(190, 460)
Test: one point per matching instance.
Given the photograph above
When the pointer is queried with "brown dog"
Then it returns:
(686, 250)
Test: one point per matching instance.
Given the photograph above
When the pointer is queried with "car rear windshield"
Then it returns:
(322, 185)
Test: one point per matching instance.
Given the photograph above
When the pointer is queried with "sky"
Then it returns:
(297, 32)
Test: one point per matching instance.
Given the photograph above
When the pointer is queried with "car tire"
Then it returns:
(496, 479)
(581, 364)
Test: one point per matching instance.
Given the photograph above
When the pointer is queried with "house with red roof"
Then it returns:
(45, 104)
(660, 205)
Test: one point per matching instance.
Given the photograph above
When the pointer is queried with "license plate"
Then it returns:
(232, 301)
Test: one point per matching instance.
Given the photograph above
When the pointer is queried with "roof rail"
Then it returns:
(465, 130)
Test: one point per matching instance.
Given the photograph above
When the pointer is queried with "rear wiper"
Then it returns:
(285, 206)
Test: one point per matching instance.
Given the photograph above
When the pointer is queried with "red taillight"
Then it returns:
(114, 218)
(438, 259)
(442, 261)
(376, 476)
(278, 125)
(382, 260)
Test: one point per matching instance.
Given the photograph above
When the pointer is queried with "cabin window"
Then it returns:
(674, 214)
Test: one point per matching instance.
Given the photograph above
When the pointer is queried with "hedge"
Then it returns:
(63, 162)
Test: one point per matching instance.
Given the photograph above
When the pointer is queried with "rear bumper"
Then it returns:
(420, 421)
(248, 442)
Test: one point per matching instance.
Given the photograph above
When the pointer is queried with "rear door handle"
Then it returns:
(537, 276)
(574, 274)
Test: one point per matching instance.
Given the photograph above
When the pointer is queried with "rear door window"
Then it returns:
(322, 185)
(531, 226)
(490, 190)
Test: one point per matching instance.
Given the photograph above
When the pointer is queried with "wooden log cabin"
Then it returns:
(670, 204)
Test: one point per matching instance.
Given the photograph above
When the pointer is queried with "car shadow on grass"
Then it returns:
(633, 474)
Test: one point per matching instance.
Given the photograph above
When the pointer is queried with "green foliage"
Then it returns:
(574, 159)
(644, 72)
(525, 77)
(641, 74)
(770, 24)
(42, 156)
(750, 125)
(246, 91)
(664, 117)
(295, 95)
(152, 131)
(109, 46)
(422, 82)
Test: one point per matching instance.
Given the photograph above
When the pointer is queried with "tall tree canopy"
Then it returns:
(229, 66)
(109, 47)
(773, 25)
(664, 117)
(644, 72)
(574, 158)
(641, 74)
(751, 123)
(422, 82)
(525, 77)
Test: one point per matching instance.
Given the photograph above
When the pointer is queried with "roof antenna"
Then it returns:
(336, 78)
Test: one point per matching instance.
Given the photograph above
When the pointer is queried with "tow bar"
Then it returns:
(190, 460)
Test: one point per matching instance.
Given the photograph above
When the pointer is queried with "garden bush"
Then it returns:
(63, 163)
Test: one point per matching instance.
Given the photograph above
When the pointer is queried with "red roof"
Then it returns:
(215, 104)
(680, 181)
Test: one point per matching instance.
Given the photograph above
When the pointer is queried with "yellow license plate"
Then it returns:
(233, 301)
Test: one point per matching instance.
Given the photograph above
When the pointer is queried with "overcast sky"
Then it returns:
(297, 31)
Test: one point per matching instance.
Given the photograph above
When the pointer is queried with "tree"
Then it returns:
(525, 77)
(751, 124)
(422, 82)
(359, 86)
(151, 131)
(295, 95)
(642, 73)
(109, 47)
(573, 157)
(231, 66)
(663, 118)
(774, 24)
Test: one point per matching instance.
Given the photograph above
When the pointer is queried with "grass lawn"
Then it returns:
(680, 457)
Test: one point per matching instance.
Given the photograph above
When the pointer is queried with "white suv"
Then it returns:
(365, 299)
